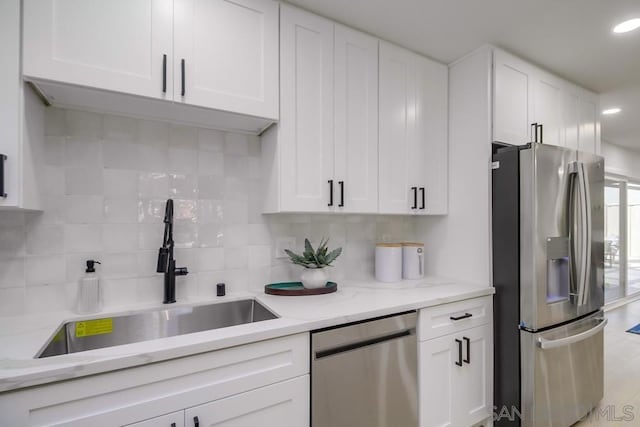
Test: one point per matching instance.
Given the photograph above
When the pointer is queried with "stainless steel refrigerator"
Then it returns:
(548, 271)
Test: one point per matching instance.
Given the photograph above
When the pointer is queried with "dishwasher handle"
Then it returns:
(364, 343)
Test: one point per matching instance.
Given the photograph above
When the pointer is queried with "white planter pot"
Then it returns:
(313, 278)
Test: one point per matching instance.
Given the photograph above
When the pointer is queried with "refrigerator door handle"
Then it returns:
(546, 344)
(573, 229)
(586, 215)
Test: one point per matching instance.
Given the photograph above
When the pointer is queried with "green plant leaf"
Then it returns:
(333, 255)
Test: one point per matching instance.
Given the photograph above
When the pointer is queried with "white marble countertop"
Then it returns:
(24, 337)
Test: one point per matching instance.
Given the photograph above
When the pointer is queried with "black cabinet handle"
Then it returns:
(534, 132)
(459, 362)
(341, 184)
(330, 192)
(468, 341)
(464, 316)
(3, 194)
(183, 77)
(422, 191)
(164, 73)
(541, 141)
(173, 424)
(196, 422)
(415, 197)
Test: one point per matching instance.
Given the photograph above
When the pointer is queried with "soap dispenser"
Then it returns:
(89, 292)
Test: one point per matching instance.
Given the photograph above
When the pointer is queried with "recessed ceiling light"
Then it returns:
(627, 26)
(610, 111)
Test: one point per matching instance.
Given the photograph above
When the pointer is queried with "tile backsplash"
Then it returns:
(108, 178)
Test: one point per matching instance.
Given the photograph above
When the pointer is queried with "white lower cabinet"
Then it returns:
(174, 419)
(262, 383)
(284, 404)
(456, 378)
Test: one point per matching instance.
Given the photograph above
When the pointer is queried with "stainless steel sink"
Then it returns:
(83, 335)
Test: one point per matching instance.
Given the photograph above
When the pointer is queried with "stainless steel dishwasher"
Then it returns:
(365, 374)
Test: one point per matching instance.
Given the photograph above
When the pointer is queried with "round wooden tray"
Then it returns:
(295, 289)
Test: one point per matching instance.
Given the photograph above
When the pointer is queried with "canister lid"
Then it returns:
(388, 245)
(413, 244)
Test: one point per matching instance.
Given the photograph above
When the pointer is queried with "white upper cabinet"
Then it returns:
(530, 104)
(570, 116)
(429, 165)
(105, 55)
(305, 132)
(116, 45)
(356, 120)
(512, 100)
(226, 53)
(21, 123)
(548, 108)
(589, 123)
(413, 133)
(397, 128)
(323, 154)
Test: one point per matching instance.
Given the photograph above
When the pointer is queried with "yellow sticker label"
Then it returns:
(89, 328)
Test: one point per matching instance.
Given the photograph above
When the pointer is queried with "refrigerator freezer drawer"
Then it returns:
(562, 372)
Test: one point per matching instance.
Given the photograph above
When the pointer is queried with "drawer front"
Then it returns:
(450, 318)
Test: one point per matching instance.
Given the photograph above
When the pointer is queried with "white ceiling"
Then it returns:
(571, 38)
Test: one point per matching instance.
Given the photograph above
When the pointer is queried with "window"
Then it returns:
(621, 238)
(633, 238)
(613, 286)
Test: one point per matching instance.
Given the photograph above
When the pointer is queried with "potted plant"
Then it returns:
(314, 263)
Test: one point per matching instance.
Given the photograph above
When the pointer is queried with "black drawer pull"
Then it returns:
(422, 196)
(173, 424)
(459, 362)
(182, 66)
(3, 193)
(341, 184)
(464, 316)
(196, 422)
(415, 197)
(468, 359)
(164, 73)
(330, 192)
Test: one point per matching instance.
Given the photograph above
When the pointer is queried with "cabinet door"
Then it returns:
(284, 404)
(306, 127)
(397, 128)
(116, 45)
(439, 376)
(513, 101)
(548, 107)
(456, 377)
(589, 131)
(474, 392)
(10, 102)
(570, 116)
(174, 419)
(226, 55)
(428, 154)
(356, 120)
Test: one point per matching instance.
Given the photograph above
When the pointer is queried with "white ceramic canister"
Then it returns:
(412, 260)
(388, 262)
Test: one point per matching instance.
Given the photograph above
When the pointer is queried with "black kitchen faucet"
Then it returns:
(166, 262)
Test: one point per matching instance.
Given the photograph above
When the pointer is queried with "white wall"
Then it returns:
(108, 179)
(620, 160)
(458, 245)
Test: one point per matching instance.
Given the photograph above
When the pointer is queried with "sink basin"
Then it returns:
(83, 335)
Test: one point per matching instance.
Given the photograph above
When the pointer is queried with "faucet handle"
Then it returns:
(163, 260)
(181, 271)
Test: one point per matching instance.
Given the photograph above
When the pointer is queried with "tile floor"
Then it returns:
(621, 403)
